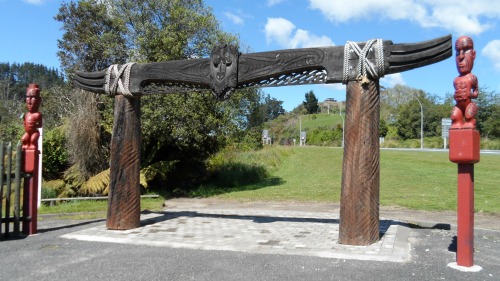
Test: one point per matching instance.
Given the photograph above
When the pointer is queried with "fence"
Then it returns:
(10, 184)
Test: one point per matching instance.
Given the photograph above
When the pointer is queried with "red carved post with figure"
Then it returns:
(464, 147)
(32, 121)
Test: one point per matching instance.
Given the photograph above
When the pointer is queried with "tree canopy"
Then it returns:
(311, 103)
(181, 129)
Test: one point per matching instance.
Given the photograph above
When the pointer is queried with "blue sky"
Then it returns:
(29, 34)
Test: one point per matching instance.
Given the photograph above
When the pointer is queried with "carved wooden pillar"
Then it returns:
(359, 207)
(124, 191)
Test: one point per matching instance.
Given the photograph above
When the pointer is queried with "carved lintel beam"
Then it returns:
(226, 69)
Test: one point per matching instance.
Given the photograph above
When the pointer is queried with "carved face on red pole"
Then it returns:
(33, 99)
(465, 54)
(33, 119)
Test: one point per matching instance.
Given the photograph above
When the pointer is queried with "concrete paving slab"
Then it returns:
(281, 232)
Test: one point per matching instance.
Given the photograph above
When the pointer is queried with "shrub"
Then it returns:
(55, 156)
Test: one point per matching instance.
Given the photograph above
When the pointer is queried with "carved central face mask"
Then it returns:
(224, 70)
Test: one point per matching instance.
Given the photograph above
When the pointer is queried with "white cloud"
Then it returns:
(459, 16)
(284, 32)
(392, 80)
(234, 18)
(35, 2)
(336, 86)
(492, 51)
(273, 2)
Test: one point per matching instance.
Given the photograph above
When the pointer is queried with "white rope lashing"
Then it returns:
(119, 86)
(365, 66)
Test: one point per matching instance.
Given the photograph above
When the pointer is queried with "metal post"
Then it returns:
(421, 123)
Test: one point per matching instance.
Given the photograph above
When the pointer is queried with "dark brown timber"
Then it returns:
(124, 191)
(359, 208)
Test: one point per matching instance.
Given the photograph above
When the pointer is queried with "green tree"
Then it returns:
(92, 40)
(408, 122)
(264, 109)
(383, 128)
(311, 103)
(488, 103)
(14, 79)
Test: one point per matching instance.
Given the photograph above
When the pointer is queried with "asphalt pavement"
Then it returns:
(197, 239)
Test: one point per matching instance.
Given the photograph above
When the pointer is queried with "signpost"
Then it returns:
(445, 127)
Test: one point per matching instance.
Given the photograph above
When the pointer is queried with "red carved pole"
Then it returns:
(464, 147)
(32, 122)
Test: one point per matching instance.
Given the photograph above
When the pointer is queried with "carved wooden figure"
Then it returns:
(359, 65)
(466, 85)
(465, 147)
(32, 122)
(32, 119)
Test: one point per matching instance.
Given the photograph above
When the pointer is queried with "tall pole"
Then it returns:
(359, 203)
(124, 191)
(465, 149)
(421, 123)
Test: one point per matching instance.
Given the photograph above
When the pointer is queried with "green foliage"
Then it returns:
(169, 29)
(14, 79)
(286, 127)
(92, 38)
(311, 103)
(488, 116)
(493, 144)
(232, 170)
(252, 140)
(264, 109)
(408, 121)
(323, 136)
(55, 155)
(52, 188)
(383, 128)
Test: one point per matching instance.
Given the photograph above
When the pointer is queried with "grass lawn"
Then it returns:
(88, 207)
(412, 179)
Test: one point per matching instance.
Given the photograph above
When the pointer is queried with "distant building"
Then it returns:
(330, 100)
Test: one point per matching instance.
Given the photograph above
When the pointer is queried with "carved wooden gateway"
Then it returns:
(359, 65)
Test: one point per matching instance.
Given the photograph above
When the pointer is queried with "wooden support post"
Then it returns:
(124, 191)
(359, 205)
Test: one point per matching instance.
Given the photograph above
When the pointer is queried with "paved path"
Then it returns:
(255, 231)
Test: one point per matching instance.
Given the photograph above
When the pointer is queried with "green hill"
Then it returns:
(321, 129)
(313, 121)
